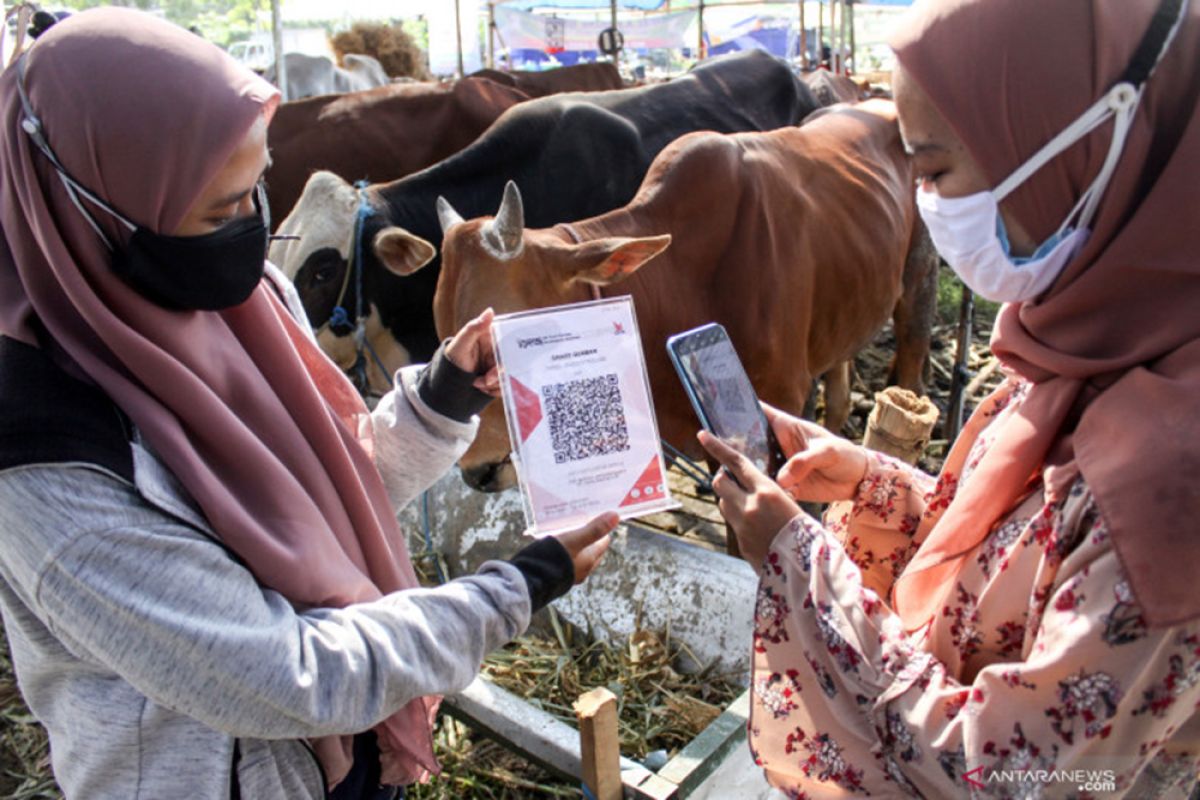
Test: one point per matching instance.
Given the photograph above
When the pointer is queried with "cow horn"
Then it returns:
(447, 216)
(509, 225)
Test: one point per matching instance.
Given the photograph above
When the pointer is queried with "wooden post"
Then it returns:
(600, 747)
(961, 373)
(853, 57)
(700, 37)
(820, 30)
(277, 43)
(803, 39)
(491, 34)
(833, 36)
(458, 37)
(616, 53)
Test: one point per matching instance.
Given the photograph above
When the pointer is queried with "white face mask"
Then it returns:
(969, 232)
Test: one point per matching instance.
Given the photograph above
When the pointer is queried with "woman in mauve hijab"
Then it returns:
(202, 580)
(1027, 623)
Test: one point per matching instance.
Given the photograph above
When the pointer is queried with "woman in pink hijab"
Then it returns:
(202, 579)
(1027, 624)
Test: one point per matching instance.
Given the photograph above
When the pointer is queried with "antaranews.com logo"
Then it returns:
(1085, 780)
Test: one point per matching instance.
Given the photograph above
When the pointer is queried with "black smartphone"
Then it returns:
(722, 395)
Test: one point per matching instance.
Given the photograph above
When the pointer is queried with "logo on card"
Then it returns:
(618, 328)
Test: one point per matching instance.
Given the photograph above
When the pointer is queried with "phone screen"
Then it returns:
(721, 391)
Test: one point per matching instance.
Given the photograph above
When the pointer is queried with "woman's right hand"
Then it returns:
(586, 545)
(821, 467)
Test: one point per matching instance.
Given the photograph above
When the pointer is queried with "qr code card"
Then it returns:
(580, 416)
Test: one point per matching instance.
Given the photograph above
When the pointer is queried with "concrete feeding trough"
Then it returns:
(704, 598)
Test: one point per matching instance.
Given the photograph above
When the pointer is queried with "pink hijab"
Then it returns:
(264, 432)
(1113, 348)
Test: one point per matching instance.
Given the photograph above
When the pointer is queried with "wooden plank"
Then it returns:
(528, 730)
(706, 752)
(600, 746)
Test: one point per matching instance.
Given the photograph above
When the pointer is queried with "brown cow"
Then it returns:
(598, 77)
(796, 240)
(380, 134)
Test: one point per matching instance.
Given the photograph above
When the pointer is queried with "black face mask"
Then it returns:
(210, 272)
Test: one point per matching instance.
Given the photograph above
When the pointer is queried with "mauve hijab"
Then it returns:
(1112, 349)
(264, 432)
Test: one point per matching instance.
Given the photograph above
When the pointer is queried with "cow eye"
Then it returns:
(324, 274)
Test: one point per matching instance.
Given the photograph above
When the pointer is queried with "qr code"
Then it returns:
(586, 418)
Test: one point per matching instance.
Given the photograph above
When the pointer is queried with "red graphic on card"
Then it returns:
(648, 487)
(529, 408)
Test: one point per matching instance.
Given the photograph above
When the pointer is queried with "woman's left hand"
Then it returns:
(755, 507)
(471, 351)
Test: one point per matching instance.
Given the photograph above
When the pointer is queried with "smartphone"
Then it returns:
(722, 395)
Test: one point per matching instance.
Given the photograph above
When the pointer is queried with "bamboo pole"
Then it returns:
(491, 62)
(616, 51)
(458, 37)
(853, 47)
(820, 31)
(835, 44)
(803, 38)
(277, 43)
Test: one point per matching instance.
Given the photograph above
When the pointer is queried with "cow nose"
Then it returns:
(483, 478)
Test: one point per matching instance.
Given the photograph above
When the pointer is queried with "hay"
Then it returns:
(659, 708)
(390, 45)
(24, 751)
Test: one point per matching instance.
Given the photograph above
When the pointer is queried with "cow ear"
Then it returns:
(402, 252)
(606, 261)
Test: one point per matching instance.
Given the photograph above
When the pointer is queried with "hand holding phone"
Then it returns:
(722, 395)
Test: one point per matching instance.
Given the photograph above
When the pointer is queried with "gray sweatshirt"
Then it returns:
(145, 648)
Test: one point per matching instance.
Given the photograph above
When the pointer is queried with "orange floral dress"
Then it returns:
(1038, 679)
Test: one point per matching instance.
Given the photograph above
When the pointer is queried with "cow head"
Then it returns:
(319, 237)
(495, 261)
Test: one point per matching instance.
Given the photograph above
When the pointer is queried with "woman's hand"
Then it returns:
(755, 507)
(586, 545)
(822, 467)
(471, 351)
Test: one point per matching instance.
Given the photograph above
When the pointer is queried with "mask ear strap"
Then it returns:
(1121, 100)
(260, 200)
(1088, 121)
(32, 125)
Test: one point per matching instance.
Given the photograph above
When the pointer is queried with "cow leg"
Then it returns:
(810, 402)
(914, 312)
(837, 397)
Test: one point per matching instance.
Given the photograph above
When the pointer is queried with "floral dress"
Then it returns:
(1039, 678)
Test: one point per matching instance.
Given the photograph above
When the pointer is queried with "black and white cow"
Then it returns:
(572, 156)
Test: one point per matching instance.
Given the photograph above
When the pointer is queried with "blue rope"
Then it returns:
(587, 793)
(342, 317)
(379, 363)
(364, 211)
(339, 317)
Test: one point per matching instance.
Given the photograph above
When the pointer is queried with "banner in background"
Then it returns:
(521, 30)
